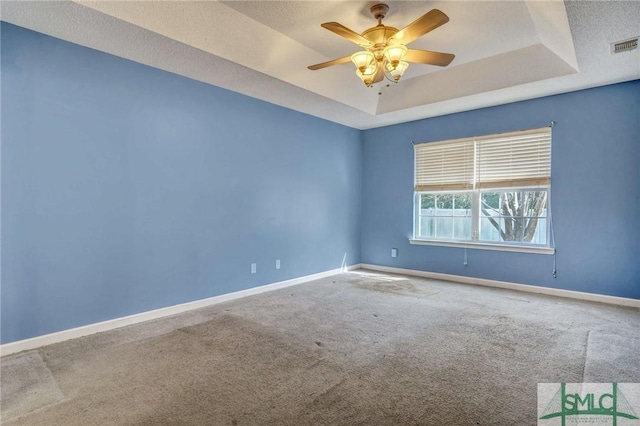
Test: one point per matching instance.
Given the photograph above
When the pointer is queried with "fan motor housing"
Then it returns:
(379, 34)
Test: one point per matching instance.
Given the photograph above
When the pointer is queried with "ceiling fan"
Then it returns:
(385, 48)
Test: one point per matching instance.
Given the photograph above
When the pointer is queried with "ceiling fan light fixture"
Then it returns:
(398, 71)
(368, 75)
(363, 60)
(384, 51)
(394, 54)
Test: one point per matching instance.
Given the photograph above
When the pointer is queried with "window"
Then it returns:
(490, 190)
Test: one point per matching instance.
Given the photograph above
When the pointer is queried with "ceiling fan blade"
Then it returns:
(427, 22)
(379, 74)
(429, 58)
(330, 63)
(345, 32)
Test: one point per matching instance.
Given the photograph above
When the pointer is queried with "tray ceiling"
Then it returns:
(505, 51)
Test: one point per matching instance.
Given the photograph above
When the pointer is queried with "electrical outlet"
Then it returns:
(394, 252)
(278, 264)
(253, 268)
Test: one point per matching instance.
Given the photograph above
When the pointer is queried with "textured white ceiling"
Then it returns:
(505, 51)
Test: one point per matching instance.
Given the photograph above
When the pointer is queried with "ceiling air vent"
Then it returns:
(624, 45)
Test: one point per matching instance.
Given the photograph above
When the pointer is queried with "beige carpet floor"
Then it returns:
(358, 348)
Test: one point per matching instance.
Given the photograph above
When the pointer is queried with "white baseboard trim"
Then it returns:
(85, 330)
(60, 336)
(592, 297)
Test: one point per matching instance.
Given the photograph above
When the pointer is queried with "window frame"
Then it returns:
(476, 192)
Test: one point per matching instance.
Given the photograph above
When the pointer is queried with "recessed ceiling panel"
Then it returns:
(505, 51)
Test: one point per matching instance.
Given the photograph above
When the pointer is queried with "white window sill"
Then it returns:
(485, 246)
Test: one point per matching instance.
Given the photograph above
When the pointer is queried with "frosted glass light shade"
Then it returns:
(397, 72)
(362, 60)
(367, 75)
(394, 54)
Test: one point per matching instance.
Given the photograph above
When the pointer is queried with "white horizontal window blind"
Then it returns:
(444, 166)
(517, 159)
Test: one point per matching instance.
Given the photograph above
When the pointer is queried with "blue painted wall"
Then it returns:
(595, 192)
(126, 188)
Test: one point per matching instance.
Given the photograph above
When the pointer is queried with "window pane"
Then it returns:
(488, 231)
(444, 227)
(444, 203)
(427, 227)
(445, 216)
(427, 201)
(462, 227)
(491, 200)
(515, 216)
(462, 204)
(540, 237)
